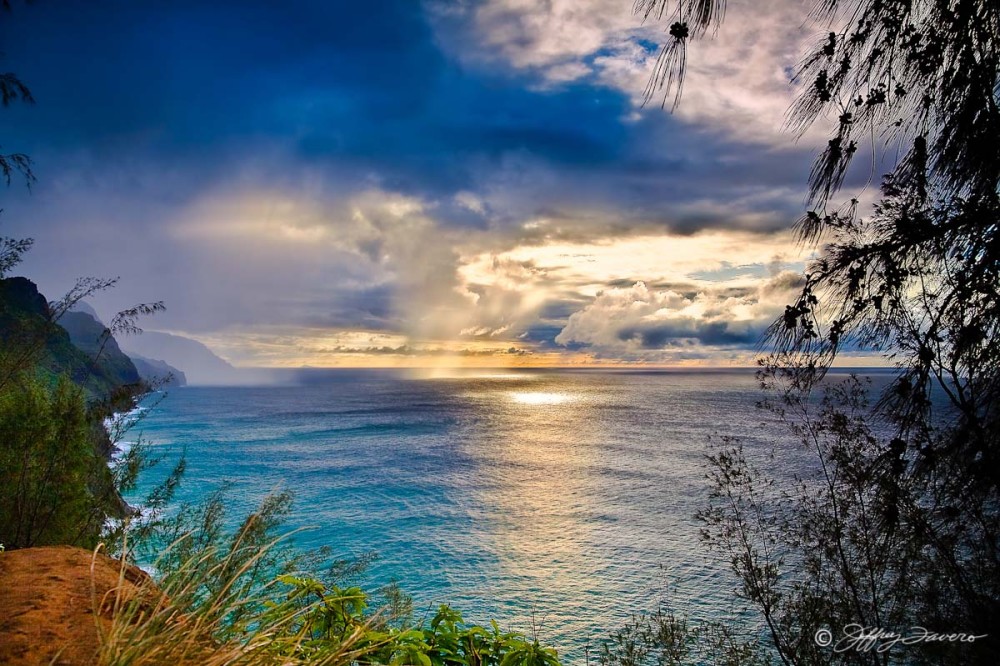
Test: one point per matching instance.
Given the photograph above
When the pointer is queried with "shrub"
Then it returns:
(53, 475)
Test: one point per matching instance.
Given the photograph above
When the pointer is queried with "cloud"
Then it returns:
(288, 346)
(374, 242)
(633, 322)
(738, 79)
(553, 37)
(457, 175)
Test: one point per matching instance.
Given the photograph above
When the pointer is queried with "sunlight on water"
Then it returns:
(540, 486)
(540, 398)
(555, 501)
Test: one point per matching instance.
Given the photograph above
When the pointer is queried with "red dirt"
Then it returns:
(48, 598)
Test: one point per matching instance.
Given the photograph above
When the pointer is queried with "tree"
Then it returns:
(902, 526)
(921, 73)
(50, 467)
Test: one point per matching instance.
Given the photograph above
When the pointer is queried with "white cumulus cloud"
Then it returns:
(738, 80)
(640, 322)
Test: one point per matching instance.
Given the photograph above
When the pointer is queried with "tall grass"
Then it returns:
(241, 598)
(213, 610)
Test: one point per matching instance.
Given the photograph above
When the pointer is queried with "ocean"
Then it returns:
(558, 502)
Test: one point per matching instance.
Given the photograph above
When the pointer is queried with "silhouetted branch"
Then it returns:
(126, 323)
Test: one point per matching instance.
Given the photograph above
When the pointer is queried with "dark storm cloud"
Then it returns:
(361, 307)
(353, 88)
(333, 81)
(681, 333)
(561, 309)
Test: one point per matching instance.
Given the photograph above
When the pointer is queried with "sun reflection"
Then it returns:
(540, 398)
(537, 460)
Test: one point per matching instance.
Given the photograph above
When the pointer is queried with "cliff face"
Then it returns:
(199, 363)
(92, 338)
(27, 331)
(88, 333)
(158, 373)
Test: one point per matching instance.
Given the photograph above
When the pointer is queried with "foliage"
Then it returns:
(55, 484)
(853, 543)
(11, 251)
(665, 638)
(334, 615)
(917, 280)
(916, 72)
(55, 401)
(189, 617)
(33, 341)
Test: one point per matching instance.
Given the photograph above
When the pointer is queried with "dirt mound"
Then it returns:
(52, 605)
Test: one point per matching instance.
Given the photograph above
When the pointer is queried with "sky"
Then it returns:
(413, 183)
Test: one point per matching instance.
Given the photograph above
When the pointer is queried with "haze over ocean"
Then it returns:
(569, 494)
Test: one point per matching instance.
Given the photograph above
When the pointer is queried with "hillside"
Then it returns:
(27, 331)
(158, 373)
(92, 338)
(198, 363)
(85, 329)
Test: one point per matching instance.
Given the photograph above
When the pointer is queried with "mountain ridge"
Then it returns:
(27, 329)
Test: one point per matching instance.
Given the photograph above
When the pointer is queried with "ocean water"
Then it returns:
(557, 502)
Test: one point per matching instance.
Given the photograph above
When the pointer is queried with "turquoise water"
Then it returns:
(557, 502)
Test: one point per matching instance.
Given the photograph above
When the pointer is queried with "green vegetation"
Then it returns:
(54, 489)
(54, 400)
(31, 337)
(664, 638)
(248, 597)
